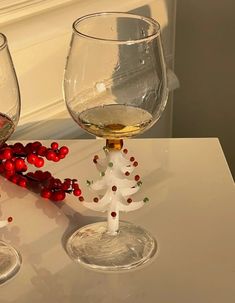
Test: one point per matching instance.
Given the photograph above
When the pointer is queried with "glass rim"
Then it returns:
(129, 15)
(4, 42)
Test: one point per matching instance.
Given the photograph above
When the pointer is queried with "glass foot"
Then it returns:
(10, 261)
(93, 247)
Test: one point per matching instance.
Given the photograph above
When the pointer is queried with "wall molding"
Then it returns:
(48, 111)
(13, 10)
(56, 123)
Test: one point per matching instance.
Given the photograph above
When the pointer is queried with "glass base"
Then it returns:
(93, 247)
(10, 261)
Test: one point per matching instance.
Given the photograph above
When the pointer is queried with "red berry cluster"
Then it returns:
(14, 160)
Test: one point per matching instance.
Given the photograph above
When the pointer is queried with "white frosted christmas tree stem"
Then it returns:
(3, 223)
(114, 188)
(113, 223)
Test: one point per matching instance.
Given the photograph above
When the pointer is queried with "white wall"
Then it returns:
(39, 45)
(204, 106)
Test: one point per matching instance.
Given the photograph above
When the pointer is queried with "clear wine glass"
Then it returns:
(115, 87)
(9, 115)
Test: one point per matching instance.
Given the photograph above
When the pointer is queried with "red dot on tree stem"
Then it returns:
(114, 188)
(137, 177)
(9, 219)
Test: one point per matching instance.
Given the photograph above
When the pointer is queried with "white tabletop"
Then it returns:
(191, 213)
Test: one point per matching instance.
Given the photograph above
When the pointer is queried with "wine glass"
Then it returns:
(10, 260)
(115, 87)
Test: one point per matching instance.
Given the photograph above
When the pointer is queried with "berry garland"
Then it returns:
(14, 160)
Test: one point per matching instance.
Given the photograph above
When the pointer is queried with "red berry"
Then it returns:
(58, 195)
(28, 148)
(95, 161)
(9, 173)
(18, 148)
(56, 183)
(14, 179)
(50, 155)
(9, 219)
(125, 151)
(22, 182)
(54, 145)
(8, 165)
(113, 214)
(127, 173)
(46, 193)
(46, 175)
(38, 174)
(24, 168)
(2, 169)
(56, 159)
(96, 200)
(41, 150)
(135, 163)
(19, 164)
(132, 159)
(65, 186)
(77, 192)
(61, 156)
(30, 175)
(81, 198)
(75, 186)
(64, 150)
(36, 145)
(7, 153)
(31, 158)
(39, 162)
(129, 200)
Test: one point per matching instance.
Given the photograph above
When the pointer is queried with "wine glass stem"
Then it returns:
(114, 144)
(113, 216)
(113, 223)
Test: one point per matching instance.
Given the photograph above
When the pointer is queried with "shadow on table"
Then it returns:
(75, 219)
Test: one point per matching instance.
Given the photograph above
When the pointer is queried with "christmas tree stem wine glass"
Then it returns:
(9, 115)
(115, 87)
